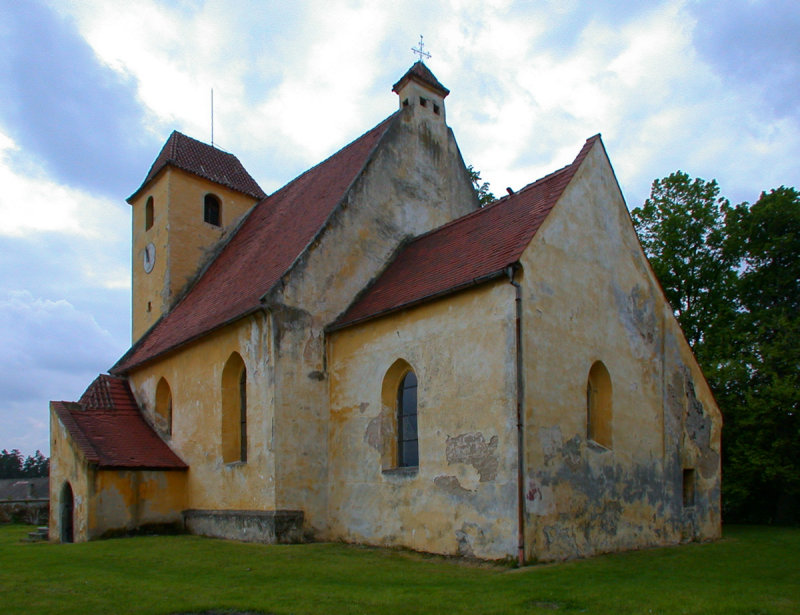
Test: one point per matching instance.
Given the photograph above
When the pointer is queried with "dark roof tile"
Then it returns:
(205, 161)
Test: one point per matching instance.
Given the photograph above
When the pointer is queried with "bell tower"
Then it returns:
(193, 194)
(422, 97)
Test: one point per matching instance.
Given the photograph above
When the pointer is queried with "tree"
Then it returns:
(10, 464)
(484, 194)
(14, 465)
(732, 275)
(763, 418)
(36, 465)
(682, 230)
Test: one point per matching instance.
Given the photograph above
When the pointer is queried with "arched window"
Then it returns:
(598, 405)
(212, 210)
(407, 440)
(234, 410)
(163, 416)
(67, 513)
(399, 441)
(148, 214)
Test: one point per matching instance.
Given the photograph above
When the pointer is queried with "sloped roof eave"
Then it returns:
(337, 326)
(173, 164)
(379, 133)
(116, 371)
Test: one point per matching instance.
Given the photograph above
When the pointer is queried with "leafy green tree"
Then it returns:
(763, 395)
(36, 466)
(14, 465)
(682, 230)
(485, 196)
(10, 464)
(732, 275)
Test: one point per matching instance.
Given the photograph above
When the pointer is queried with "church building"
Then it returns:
(368, 355)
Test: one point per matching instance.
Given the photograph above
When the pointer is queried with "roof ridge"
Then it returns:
(336, 153)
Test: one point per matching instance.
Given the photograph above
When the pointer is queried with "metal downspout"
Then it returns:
(520, 434)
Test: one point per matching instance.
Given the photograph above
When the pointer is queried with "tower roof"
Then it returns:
(421, 74)
(205, 161)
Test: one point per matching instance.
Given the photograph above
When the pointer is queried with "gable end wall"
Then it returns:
(590, 295)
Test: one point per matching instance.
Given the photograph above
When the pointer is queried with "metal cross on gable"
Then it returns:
(421, 50)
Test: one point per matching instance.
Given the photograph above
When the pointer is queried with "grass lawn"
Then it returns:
(752, 570)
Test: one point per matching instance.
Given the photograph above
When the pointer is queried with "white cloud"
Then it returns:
(293, 82)
(53, 351)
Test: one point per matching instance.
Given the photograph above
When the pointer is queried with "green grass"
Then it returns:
(752, 570)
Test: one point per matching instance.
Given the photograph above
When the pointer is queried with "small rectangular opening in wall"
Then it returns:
(688, 487)
(405, 102)
(423, 102)
(436, 108)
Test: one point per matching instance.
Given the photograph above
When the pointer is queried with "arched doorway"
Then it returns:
(67, 513)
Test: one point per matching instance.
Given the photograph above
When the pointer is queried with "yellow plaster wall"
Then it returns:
(415, 181)
(194, 375)
(128, 499)
(108, 500)
(67, 464)
(462, 500)
(604, 304)
(182, 238)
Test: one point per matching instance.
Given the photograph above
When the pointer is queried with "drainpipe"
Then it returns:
(520, 435)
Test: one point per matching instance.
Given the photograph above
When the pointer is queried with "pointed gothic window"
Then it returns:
(234, 410)
(407, 441)
(212, 210)
(163, 417)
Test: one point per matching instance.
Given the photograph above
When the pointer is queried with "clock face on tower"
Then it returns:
(149, 257)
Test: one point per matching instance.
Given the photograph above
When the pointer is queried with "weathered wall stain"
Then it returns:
(472, 448)
(451, 485)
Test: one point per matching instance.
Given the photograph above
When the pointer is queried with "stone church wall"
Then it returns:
(194, 375)
(462, 498)
(604, 304)
(415, 181)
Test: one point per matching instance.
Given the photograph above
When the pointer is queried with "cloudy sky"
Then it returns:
(90, 90)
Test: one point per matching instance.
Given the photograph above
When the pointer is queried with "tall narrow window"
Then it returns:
(212, 210)
(148, 214)
(407, 441)
(688, 487)
(163, 417)
(234, 410)
(598, 405)
(243, 415)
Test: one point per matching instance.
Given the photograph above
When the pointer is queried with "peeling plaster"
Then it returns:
(473, 449)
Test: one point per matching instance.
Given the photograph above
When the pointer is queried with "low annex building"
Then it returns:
(368, 355)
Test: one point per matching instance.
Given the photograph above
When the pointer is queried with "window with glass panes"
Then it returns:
(407, 441)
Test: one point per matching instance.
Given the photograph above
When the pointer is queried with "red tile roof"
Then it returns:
(205, 161)
(108, 427)
(420, 72)
(273, 236)
(467, 251)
